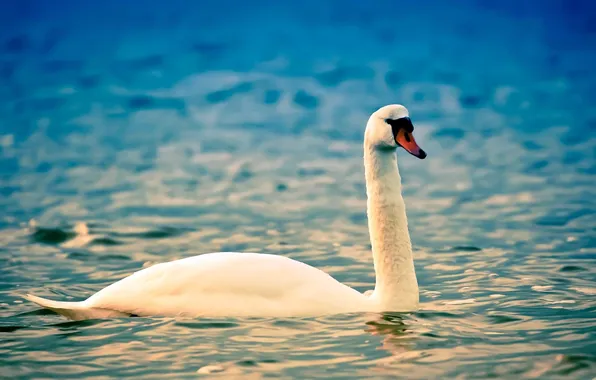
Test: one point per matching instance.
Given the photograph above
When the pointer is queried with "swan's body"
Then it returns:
(251, 284)
(228, 284)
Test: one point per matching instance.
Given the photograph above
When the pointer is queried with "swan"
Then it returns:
(233, 284)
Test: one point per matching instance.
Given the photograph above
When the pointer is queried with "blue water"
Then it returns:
(132, 134)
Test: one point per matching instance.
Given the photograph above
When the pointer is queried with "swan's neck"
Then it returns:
(396, 285)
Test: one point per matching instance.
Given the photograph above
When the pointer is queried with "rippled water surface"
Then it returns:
(134, 136)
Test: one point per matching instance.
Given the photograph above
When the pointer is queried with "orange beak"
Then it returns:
(406, 141)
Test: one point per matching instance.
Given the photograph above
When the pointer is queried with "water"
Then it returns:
(133, 135)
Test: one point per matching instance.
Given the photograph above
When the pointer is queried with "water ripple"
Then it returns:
(156, 140)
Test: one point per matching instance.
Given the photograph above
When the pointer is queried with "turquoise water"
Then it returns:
(135, 135)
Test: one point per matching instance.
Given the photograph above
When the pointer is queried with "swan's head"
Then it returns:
(390, 127)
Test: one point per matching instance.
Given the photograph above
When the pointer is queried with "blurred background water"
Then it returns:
(138, 132)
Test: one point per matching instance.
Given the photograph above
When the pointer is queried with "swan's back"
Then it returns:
(229, 284)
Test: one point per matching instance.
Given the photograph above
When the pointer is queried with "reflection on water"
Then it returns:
(153, 141)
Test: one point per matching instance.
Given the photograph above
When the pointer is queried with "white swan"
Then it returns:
(251, 284)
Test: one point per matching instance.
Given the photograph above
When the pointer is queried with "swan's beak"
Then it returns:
(406, 141)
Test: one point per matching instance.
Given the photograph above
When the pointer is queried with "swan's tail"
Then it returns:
(75, 310)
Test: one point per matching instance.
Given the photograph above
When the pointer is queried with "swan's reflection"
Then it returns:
(388, 324)
(398, 332)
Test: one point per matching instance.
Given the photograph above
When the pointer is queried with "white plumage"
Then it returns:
(252, 284)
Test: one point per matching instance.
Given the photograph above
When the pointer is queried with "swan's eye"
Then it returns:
(401, 123)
